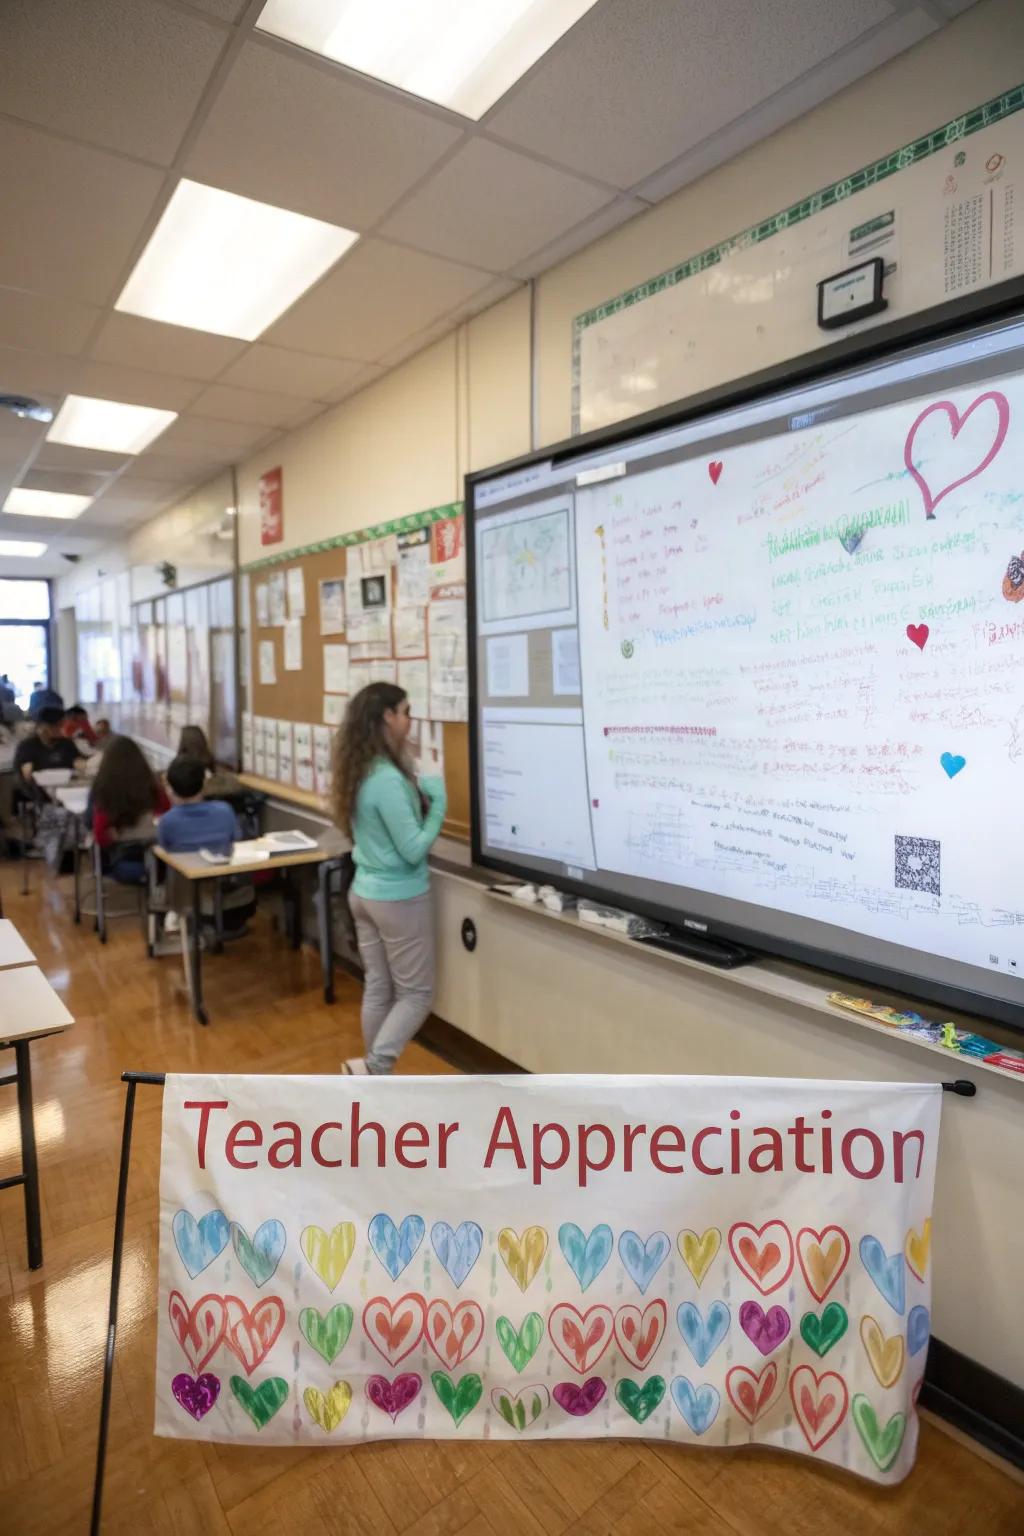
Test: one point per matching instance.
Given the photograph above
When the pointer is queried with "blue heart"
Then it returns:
(699, 1407)
(886, 1270)
(259, 1255)
(702, 1337)
(586, 1256)
(457, 1250)
(200, 1242)
(851, 539)
(952, 764)
(642, 1260)
(395, 1246)
(919, 1326)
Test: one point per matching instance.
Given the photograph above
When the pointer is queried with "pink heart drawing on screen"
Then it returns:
(957, 423)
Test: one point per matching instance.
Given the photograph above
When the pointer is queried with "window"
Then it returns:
(24, 599)
(24, 636)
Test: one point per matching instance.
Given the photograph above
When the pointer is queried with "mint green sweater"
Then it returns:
(391, 836)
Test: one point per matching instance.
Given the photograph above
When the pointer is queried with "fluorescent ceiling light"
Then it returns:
(82, 422)
(21, 549)
(222, 263)
(463, 54)
(28, 503)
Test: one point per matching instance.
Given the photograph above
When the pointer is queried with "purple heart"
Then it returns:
(197, 1396)
(392, 1396)
(765, 1329)
(579, 1400)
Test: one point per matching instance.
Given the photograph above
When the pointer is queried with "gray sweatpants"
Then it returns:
(396, 946)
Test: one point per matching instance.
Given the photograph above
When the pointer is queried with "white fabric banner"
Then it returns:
(716, 1261)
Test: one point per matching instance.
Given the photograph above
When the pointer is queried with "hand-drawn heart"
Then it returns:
(886, 1270)
(917, 1248)
(453, 1334)
(327, 1335)
(764, 1254)
(882, 1445)
(918, 634)
(820, 1403)
(261, 1255)
(851, 539)
(396, 1246)
(919, 1327)
(765, 1330)
(715, 470)
(703, 1336)
(520, 1347)
(521, 1409)
(698, 1405)
(640, 1333)
(395, 1328)
(461, 1397)
(523, 1255)
(640, 1399)
(956, 423)
(642, 1259)
(327, 1254)
(886, 1355)
(581, 1338)
(823, 1257)
(197, 1396)
(328, 1409)
(585, 1256)
(252, 1335)
(393, 1397)
(952, 763)
(820, 1333)
(457, 1249)
(263, 1401)
(200, 1242)
(699, 1253)
(579, 1401)
(199, 1329)
(751, 1393)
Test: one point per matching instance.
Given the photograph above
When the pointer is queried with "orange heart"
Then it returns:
(453, 1335)
(639, 1333)
(751, 1394)
(395, 1328)
(916, 1249)
(581, 1338)
(252, 1335)
(822, 1263)
(820, 1403)
(886, 1355)
(764, 1254)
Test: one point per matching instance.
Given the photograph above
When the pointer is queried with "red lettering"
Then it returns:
(414, 1135)
(667, 1138)
(630, 1134)
(877, 1154)
(540, 1162)
(292, 1141)
(315, 1140)
(506, 1122)
(757, 1162)
(234, 1140)
(800, 1131)
(443, 1133)
(585, 1163)
(698, 1142)
(204, 1107)
(899, 1141)
(358, 1130)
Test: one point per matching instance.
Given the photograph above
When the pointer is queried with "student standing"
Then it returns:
(393, 822)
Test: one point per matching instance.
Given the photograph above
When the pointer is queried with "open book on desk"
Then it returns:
(242, 853)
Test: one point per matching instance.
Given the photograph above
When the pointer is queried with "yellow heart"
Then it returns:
(886, 1355)
(524, 1255)
(328, 1411)
(823, 1263)
(916, 1249)
(327, 1255)
(699, 1253)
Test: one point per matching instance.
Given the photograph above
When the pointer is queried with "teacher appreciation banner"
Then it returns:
(716, 1261)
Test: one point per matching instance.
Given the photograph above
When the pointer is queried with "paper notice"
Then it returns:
(285, 753)
(268, 668)
(508, 667)
(363, 673)
(303, 739)
(332, 606)
(247, 743)
(296, 592)
(446, 632)
(259, 754)
(410, 626)
(322, 739)
(336, 669)
(278, 599)
(565, 661)
(262, 605)
(414, 677)
(270, 748)
(414, 568)
(293, 645)
(334, 708)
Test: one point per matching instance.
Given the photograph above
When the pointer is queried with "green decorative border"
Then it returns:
(929, 144)
(407, 524)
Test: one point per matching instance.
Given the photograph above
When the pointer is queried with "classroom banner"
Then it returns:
(715, 1261)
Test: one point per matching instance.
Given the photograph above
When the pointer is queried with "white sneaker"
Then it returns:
(355, 1067)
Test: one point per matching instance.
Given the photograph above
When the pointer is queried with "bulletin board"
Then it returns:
(303, 696)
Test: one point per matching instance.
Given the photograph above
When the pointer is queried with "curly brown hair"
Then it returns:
(126, 787)
(361, 739)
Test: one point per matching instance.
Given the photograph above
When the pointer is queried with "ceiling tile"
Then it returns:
(608, 218)
(227, 437)
(366, 375)
(248, 405)
(137, 343)
(61, 456)
(304, 136)
(223, 10)
(44, 325)
(31, 372)
(156, 466)
(134, 386)
(64, 483)
(129, 490)
(492, 207)
(291, 373)
(78, 238)
(374, 300)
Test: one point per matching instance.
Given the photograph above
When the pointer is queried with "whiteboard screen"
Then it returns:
(773, 679)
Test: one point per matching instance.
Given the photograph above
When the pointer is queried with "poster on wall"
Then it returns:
(296, 584)
(303, 739)
(446, 630)
(277, 593)
(285, 752)
(271, 496)
(332, 606)
(322, 739)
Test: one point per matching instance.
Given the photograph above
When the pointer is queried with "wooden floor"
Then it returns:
(268, 1017)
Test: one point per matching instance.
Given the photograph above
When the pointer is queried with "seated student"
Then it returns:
(102, 732)
(220, 784)
(125, 800)
(192, 822)
(42, 698)
(45, 748)
(76, 726)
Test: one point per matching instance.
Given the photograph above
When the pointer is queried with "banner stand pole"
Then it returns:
(961, 1086)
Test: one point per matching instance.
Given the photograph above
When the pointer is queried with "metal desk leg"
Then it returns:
(195, 954)
(97, 875)
(77, 864)
(26, 838)
(218, 917)
(292, 909)
(324, 924)
(29, 1162)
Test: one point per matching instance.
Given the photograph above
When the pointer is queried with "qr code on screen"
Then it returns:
(917, 864)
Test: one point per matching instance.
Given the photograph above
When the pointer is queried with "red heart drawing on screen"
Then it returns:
(715, 471)
(764, 1254)
(956, 425)
(252, 1335)
(581, 1338)
(918, 634)
(395, 1328)
(454, 1334)
(199, 1329)
(639, 1333)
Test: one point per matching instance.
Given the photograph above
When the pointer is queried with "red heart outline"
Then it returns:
(383, 1335)
(582, 1357)
(956, 424)
(810, 1412)
(453, 1334)
(251, 1336)
(184, 1320)
(819, 1238)
(762, 1389)
(741, 1257)
(639, 1334)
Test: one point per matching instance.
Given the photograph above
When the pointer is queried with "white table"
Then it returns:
(13, 949)
(75, 799)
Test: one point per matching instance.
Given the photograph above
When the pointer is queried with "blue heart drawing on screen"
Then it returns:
(642, 1260)
(703, 1336)
(698, 1405)
(200, 1242)
(952, 763)
(851, 539)
(886, 1270)
(919, 1326)
(585, 1256)
(395, 1246)
(457, 1249)
(259, 1255)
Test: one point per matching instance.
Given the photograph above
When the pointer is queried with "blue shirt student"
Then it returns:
(194, 823)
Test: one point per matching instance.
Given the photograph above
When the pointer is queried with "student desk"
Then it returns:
(75, 798)
(29, 1009)
(13, 949)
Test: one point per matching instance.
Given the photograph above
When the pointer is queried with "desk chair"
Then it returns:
(110, 896)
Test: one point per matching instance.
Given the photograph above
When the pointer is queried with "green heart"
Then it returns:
(262, 1402)
(520, 1347)
(461, 1397)
(640, 1401)
(882, 1445)
(520, 1414)
(824, 1331)
(327, 1335)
